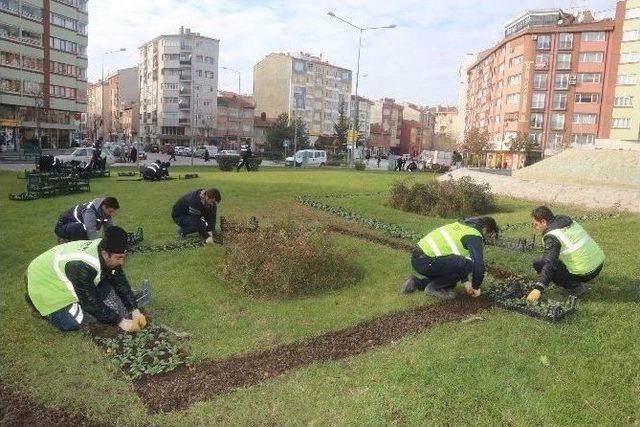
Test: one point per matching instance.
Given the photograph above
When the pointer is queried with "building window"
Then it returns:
(559, 101)
(585, 119)
(29, 63)
(62, 92)
(565, 41)
(10, 85)
(582, 139)
(32, 88)
(627, 79)
(64, 21)
(540, 81)
(564, 61)
(538, 99)
(9, 32)
(63, 45)
(513, 98)
(632, 13)
(555, 141)
(587, 98)
(537, 120)
(626, 58)
(514, 80)
(543, 42)
(32, 12)
(11, 6)
(621, 123)
(589, 77)
(542, 60)
(631, 35)
(516, 60)
(10, 59)
(593, 36)
(590, 56)
(561, 81)
(623, 101)
(557, 121)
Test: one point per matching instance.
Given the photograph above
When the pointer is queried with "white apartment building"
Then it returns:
(178, 88)
(364, 116)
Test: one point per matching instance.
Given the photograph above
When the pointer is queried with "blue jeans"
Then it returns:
(71, 231)
(443, 271)
(191, 224)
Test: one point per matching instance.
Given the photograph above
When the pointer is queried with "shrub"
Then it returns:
(254, 163)
(227, 163)
(360, 165)
(285, 261)
(445, 199)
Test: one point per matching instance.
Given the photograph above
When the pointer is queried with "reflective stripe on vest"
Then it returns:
(578, 251)
(47, 284)
(447, 240)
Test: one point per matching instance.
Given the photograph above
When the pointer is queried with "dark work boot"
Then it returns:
(409, 285)
(440, 288)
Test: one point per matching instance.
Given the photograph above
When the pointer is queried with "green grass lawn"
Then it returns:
(507, 369)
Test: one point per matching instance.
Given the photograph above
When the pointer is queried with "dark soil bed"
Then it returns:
(18, 410)
(391, 242)
(180, 389)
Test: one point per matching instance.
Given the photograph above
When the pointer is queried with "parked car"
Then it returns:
(84, 155)
(315, 158)
(228, 153)
(180, 150)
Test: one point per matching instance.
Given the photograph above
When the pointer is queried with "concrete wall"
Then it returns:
(271, 85)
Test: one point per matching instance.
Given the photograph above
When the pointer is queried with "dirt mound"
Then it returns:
(619, 168)
(178, 390)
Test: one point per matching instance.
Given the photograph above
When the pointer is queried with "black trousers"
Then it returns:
(562, 276)
(245, 163)
(70, 231)
(192, 224)
(444, 272)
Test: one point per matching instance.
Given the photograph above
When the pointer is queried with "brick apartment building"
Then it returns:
(551, 77)
(386, 126)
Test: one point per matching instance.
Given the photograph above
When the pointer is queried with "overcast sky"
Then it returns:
(418, 61)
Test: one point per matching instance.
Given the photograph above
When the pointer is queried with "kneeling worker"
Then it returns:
(447, 255)
(195, 212)
(81, 277)
(571, 257)
(83, 221)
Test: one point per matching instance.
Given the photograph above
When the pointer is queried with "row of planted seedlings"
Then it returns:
(508, 292)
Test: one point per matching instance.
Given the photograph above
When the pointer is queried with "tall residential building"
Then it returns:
(550, 78)
(235, 119)
(463, 83)
(123, 89)
(303, 86)
(625, 119)
(43, 71)
(364, 116)
(97, 109)
(178, 88)
(386, 126)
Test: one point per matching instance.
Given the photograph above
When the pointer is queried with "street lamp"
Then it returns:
(239, 102)
(356, 126)
(122, 49)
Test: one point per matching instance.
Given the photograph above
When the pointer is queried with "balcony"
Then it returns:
(183, 121)
(184, 106)
(185, 77)
(185, 62)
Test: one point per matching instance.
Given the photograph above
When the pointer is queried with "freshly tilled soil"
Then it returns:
(180, 389)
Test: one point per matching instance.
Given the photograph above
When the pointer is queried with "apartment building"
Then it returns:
(551, 77)
(97, 108)
(363, 113)
(386, 126)
(235, 119)
(463, 81)
(302, 85)
(178, 88)
(43, 72)
(625, 119)
(418, 124)
(123, 90)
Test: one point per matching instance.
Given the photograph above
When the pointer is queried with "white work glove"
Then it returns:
(137, 316)
(468, 289)
(129, 325)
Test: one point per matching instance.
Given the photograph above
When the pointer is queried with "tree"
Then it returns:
(341, 127)
(282, 129)
(523, 143)
(476, 143)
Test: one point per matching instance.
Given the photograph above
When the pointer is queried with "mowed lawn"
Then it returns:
(505, 369)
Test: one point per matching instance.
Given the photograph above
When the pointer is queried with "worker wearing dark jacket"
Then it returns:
(571, 257)
(81, 277)
(447, 255)
(83, 221)
(195, 212)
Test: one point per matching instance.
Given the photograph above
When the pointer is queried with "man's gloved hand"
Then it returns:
(137, 316)
(468, 289)
(209, 240)
(534, 295)
(129, 325)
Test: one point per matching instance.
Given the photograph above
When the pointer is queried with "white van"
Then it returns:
(314, 158)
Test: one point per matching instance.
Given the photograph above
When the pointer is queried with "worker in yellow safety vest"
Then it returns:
(571, 257)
